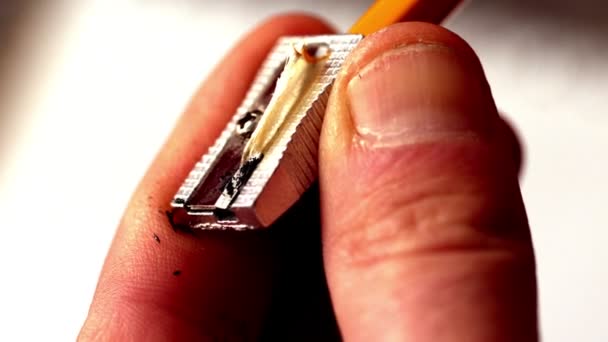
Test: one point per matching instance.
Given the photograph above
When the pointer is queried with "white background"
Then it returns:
(90, 89)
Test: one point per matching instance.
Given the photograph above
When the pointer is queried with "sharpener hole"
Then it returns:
(224, 215)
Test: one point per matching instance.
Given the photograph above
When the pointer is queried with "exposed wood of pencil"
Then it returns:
(292, 86)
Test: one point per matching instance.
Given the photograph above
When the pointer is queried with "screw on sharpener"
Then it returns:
(266, 157)
(247, 124)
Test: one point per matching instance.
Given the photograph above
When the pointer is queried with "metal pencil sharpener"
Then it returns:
(266, 157)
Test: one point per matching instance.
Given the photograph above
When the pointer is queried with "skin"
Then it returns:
(365, 264)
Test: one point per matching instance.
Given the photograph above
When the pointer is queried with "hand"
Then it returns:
(424, 233)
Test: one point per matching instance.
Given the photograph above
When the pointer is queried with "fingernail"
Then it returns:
(416, 92)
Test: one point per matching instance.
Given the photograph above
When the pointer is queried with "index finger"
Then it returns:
(161, 284)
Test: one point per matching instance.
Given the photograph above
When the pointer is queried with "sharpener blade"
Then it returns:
(287, 168)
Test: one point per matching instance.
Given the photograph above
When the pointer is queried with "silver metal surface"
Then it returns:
(288, 167)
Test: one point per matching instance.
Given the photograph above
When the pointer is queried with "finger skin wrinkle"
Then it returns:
(359, 250)
(422, 227)
(417, 211)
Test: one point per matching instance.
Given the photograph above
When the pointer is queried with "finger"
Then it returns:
(161, 285)
(512, 143)
(424, 231)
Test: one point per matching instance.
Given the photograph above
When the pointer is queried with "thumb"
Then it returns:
(424, 230)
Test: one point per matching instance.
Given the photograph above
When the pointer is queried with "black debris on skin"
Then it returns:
(156, 238)
(177, 227)
(176, 273)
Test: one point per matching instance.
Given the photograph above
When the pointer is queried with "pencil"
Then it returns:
(383, 13)
(301, 70)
